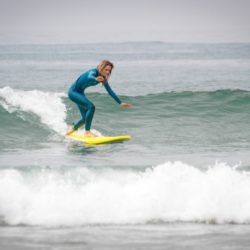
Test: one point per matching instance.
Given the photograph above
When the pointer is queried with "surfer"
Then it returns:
(76, 94)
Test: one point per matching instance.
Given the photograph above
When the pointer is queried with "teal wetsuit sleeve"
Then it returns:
(112, 93)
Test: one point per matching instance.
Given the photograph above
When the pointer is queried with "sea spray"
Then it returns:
(48, 106)
(170, 192)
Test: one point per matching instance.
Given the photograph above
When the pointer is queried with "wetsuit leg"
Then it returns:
(82, 100)
(81, 121)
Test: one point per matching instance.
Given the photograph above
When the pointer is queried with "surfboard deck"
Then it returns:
(98, 139)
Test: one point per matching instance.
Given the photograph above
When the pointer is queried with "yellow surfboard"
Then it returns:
(97, 139)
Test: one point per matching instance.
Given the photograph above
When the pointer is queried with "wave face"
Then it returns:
(169, 192)
(199, 102)
(52, 108)
(201, 118)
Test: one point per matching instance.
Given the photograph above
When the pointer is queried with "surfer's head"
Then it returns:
(105, 68)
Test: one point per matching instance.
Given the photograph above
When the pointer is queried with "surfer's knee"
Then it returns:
(92, 108)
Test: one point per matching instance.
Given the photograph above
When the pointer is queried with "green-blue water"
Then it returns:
(188, 160)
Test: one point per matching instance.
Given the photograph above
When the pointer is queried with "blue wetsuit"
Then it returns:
(86, 107)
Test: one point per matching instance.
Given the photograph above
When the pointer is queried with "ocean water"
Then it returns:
(182, 182)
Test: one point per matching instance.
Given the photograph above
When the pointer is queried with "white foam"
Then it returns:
(169, 192)
(47, 106)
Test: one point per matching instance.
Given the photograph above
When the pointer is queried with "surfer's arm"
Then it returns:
(112, 93)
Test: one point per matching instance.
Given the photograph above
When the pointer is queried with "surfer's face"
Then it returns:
(106, 71)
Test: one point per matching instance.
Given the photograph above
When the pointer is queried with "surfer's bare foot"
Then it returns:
(89, 133)
(70, 130)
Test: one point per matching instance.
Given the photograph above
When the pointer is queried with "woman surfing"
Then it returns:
(76, 94)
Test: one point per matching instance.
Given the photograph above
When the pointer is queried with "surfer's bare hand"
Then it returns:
(126, 105)
(100, 79)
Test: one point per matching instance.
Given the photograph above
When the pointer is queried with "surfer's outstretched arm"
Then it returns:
(112, 93)
(114, 96)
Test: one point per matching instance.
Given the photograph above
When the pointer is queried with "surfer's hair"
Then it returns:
(103, 64)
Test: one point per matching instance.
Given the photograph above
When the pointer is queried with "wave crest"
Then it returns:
(47, 106)
(170, 192)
